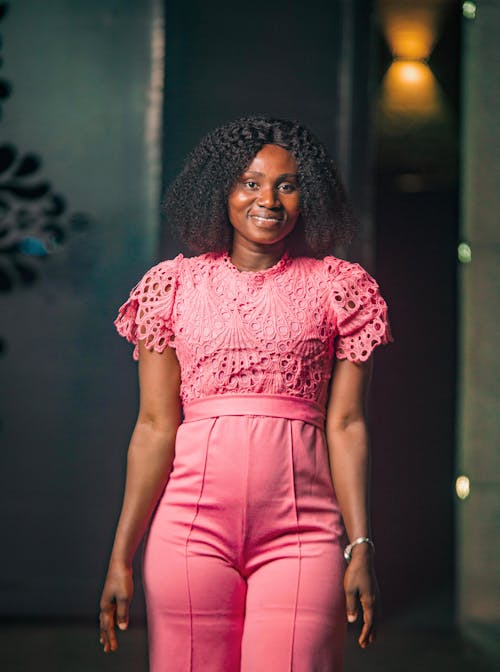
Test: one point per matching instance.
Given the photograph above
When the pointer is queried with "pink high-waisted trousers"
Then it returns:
(243, 565)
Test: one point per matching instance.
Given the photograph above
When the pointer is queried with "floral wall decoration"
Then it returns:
(35, 220)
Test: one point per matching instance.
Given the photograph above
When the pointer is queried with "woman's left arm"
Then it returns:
(348, 448)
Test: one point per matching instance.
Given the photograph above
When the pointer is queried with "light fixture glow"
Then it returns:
(469, 10)
(410, 87)
(462, 487)
(410, 28)
(464, 253)
(410, 90)
(411, 72)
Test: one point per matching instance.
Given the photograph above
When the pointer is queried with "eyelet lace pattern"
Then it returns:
(274, 331)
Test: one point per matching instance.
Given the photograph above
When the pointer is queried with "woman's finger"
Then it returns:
(122, 606)
(108, 635)
(351, 604)
(368, 605)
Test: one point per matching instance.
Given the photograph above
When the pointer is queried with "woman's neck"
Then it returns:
(249, 258)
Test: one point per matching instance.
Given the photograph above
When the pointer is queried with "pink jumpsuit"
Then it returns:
(243, 566)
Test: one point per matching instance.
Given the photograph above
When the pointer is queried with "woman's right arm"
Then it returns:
(149, 460)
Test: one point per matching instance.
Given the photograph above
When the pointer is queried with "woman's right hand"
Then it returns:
(115, 602)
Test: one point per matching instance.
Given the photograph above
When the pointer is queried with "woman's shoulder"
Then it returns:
(179, 265)
(359, 309)
(334, 268)
(341, 269)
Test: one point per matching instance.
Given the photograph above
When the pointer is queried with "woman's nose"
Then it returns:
(268, 197)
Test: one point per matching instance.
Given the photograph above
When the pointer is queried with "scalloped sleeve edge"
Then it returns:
(147, 313)
(361, 313)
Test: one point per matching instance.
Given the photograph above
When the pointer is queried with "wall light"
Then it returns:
(409, 38)
(410, 87)
(411, 28)
(469, 10)
(464, 253)
(462, 487)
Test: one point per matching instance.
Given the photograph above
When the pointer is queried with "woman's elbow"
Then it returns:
(158, 424)
(349, 421)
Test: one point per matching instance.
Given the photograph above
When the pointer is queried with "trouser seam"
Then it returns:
(197, 508)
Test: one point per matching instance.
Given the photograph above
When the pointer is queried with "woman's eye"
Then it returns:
(287, 187)
(250, 184)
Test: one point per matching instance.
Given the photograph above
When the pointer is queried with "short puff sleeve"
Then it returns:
(360, 313)
(147, 314)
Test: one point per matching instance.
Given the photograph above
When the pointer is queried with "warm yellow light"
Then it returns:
(410, 28)
(410, 40)
(462, 487)
(411, 72)
(409, 87)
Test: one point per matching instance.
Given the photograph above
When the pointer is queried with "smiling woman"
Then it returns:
(265, 341)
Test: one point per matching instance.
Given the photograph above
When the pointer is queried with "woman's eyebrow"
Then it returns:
(283, 176)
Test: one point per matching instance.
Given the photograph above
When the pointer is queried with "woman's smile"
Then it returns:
(266, 221)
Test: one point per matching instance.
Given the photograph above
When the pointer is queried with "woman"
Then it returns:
(250, 496)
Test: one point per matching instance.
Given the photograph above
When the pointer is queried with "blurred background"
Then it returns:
(100, 101)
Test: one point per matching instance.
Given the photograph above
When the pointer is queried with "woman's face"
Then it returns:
(263, 206)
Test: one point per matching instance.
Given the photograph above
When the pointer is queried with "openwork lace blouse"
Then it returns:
(274, 331)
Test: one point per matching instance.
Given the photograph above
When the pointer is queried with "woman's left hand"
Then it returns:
(360, 583)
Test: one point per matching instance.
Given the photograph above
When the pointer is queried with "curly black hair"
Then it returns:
(195, 204)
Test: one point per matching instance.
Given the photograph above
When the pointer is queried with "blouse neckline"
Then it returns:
(277, 268)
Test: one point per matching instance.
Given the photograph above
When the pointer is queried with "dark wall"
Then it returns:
(413, 403)
(78, 225)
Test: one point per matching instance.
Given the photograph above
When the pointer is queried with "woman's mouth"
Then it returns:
(269, 220)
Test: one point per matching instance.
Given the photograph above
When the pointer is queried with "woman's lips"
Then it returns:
(264, 220)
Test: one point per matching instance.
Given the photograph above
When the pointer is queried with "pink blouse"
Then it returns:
(274, 331)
